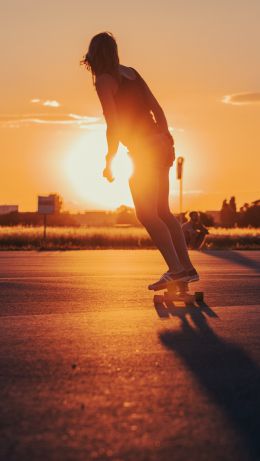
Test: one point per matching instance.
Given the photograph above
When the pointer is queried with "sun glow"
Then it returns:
(84, 164)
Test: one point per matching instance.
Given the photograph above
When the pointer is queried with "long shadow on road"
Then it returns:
(235, 257)
(224, 370)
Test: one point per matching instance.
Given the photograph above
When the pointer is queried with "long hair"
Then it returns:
(102, 56)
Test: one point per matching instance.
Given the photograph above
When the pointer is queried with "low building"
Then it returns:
(6, 209)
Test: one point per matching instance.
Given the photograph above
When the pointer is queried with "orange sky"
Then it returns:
(200, 60)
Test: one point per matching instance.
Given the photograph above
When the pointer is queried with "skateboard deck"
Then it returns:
(178, 291)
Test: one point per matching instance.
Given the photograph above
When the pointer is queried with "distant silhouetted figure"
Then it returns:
(232, 204)
(224, 214)
(194, 231)
(228, 213)
(135, 118)
(232, 211)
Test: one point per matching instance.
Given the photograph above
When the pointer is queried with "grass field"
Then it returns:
(71, 238)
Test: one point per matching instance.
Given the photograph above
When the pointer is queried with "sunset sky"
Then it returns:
(200, 59)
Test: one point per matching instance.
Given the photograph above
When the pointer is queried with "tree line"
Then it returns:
(247, 216)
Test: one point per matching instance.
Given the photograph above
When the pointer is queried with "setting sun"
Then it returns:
(84, 164)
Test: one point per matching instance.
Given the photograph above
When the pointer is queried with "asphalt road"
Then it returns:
(90, 371)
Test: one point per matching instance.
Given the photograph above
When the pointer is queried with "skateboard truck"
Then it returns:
(178, 291)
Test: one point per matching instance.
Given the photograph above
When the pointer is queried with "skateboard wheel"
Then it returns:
(199, 296)
(158, 298)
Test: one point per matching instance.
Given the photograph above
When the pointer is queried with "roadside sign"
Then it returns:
(46, 205)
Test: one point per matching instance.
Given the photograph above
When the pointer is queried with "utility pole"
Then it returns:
(44, 227)
(180, 161)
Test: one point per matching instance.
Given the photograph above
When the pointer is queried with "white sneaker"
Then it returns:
(167, 278)
(192, 276)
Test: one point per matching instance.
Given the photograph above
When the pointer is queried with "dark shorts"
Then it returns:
(154, 151)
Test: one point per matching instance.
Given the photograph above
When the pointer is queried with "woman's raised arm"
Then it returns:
(104, 87)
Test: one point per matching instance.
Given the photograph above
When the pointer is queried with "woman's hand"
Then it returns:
(107, 172)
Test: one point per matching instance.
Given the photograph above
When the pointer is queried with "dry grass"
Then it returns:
(71, 238)
(233, 239)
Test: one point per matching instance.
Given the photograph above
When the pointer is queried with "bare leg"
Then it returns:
(173, 224)
(144, 187)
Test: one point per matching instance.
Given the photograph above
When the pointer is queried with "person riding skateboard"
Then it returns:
(135, 118)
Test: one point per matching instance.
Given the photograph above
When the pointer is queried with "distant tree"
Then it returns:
(206, 219)
(58, 201)
(224, 214)
(35, 219)
(249, 215)
(9, 219)
(62, 220)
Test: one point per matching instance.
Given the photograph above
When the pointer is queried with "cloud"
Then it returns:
(94, 126)
(51, 103)
(19, 120)
(172, 129)
(47, 103)
(239, 99)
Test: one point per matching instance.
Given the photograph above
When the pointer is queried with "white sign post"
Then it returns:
(180, 161)
(46, 205)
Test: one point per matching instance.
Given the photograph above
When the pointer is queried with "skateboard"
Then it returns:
(178, 291)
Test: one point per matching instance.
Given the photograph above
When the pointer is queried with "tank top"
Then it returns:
(136, 121)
